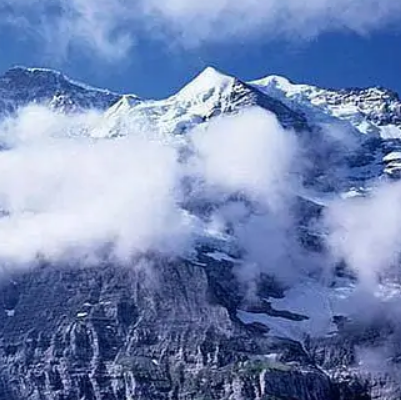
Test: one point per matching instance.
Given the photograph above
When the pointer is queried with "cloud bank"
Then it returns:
(223, 19)
(67, 197)
(110, 29)
(365, 232)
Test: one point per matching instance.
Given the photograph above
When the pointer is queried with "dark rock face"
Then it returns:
(21, 86)
(287, 117)
(156, 331)
(379, 105)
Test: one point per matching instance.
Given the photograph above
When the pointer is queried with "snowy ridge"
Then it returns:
(375, 111)
(210, 94)
(48, 71)
(303, 108)
(21, 86)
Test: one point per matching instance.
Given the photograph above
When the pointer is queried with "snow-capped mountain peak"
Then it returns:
(372, 110)
(209, 83)
(209, 78)
(273, 81)
(277, 83)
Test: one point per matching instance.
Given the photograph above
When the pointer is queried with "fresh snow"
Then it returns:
(283, 84)
(320, 304)
(219, 256)
(393, 156)
(209, 79)
(390, 132)
(314, 100)
(310, 299)
(82, 314)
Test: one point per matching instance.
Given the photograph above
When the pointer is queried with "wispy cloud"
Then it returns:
(62, 26)
(365, 232)
(222, 19)
(109, 28)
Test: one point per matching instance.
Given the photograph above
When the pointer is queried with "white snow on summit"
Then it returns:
(360, 107)
(209, 79)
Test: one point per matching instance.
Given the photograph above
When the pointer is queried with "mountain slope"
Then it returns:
(20, 86)
(376, 111)
(210, 94)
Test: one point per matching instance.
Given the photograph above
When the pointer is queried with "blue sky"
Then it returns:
(153, 50)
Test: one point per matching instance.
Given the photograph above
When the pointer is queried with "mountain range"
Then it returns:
(101, 332)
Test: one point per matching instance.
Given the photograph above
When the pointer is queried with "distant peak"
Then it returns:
(212, 73)
(24, 76)
(19, 72)
(207, 79)
(274, 80)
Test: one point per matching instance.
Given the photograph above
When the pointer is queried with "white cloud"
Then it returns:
(365, 232)
(79, 197)
(249, 153)
(110, 28)
(222, 19)
(74, 196)
(62, 25)
(252, 156)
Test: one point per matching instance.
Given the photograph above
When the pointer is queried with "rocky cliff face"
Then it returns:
(120, 333)
(186, 328)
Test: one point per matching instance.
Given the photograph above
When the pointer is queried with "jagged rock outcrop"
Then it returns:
(133, 333)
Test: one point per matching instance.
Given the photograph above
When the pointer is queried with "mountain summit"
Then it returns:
(208, 79)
